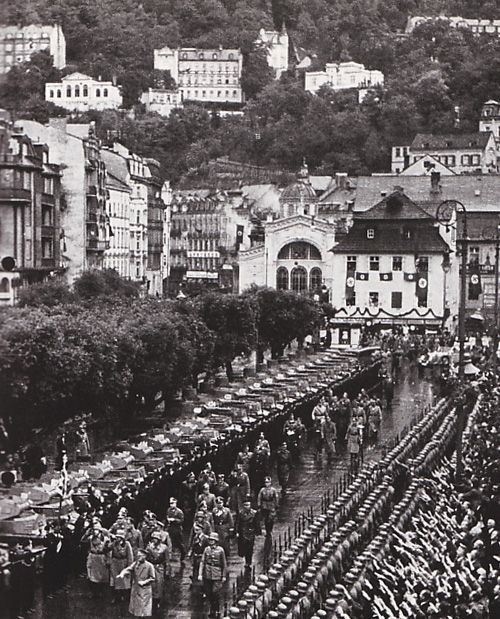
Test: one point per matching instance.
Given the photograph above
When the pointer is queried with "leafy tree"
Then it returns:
(108, 282)
(50, 293)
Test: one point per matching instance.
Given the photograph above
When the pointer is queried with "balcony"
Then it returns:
(15, 194)
(48, 198)
(97, 245)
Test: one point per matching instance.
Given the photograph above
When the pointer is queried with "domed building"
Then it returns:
(292, 250)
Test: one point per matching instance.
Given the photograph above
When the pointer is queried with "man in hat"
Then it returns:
(268, 501)
(175, 520)
(97, 558)
(207, 497)
(223, 524)
(197, 544)
(221, 488)
(142, 575)
(82, 443)
(213, 572)
(283, 464)
(188, 496)
(120, 557)
(248, 528)
(159, 556)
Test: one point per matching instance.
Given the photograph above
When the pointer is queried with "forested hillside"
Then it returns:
(436, 79)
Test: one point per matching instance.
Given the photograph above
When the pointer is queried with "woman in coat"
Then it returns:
(142, 575)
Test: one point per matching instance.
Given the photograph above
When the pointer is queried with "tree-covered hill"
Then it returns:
(436, 79)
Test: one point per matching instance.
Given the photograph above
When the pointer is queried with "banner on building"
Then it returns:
(421, 285)
(349, 286)
(385, 277)
(362, 277)
(410, 277)
(475, 287)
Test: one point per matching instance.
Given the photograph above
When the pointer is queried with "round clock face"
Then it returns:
(445, 211)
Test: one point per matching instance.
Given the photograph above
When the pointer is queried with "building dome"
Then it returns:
(301, 190)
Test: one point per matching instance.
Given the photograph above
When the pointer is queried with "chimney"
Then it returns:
(341, 180)
(435, 180)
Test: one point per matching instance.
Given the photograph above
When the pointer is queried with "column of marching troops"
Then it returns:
(118, 541)
(402, 541)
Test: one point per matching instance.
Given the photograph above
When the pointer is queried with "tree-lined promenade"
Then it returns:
(101, 349)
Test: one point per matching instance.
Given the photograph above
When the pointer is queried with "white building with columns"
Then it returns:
(80, 93)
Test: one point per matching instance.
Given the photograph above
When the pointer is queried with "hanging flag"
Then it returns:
(421, 286)
(362, 277)
(110, 231)
(239, 234)
(475, 287)
(385, 277)
(410, 277)
(349, 286)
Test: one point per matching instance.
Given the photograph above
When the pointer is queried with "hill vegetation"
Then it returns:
(436, 78)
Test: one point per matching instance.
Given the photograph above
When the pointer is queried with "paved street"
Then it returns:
(309, 481)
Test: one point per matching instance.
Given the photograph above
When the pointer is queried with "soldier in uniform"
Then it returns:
(158, 554)
(143, 576)
(198, 543)
(223, 524)
(248, 528)
(283, 464)
(244, 458)
(97, 559)
(175, 519)
(120, 557)
(188, 496)
(267, 502)
(242, 488)
(213, 572)
(221, 488)
(207, 497)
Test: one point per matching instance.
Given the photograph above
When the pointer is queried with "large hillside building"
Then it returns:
(344, 75)
(211, 76)
(79, 93)
(19, 43)
(276, 45)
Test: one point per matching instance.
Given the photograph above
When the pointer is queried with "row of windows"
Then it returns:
(451, 161)
(297, 279)
(85, 92)
(201, 56)
(406, 233)
(421, 263)
(299, 251)
(20, 35)
(196, 81)
(211, 94)
(401, 151)
(374, 300)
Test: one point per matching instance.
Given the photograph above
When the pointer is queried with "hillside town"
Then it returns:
(249, 310)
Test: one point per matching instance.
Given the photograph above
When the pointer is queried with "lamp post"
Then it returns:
(444, 215)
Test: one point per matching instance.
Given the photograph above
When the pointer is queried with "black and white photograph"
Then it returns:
(249, 309)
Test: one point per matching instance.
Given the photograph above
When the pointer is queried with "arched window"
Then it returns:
(4, 285)
(299, 250)
(58, 94)
(299, 279)
(214, 56)
(98, 92)
(282, 278)
(315, 279)
(51, 94)
(201, 55)
(68, 91)
(105, 92)
(77, 91)
(85, 91)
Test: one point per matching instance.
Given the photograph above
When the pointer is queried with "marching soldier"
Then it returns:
(143, 576)
(120, 557)
(198, 543)
(221, 488)
(223, 524)
(213, 572)
(175, 519)
(248, 528)
(158, 554)
(283, 464)
(267, 502)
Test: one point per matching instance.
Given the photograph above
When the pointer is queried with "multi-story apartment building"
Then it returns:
(80, 93)
(276, 45)
(462, 153)
(156, 224)
(30, 213)
(211, 76)
(344, 75)
(84, 229)
(118, 191)
(19, 43)
(161, 100)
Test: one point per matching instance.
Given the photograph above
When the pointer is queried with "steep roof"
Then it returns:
(396, 206)
(116, 165)
(459, 141)
(477, 192)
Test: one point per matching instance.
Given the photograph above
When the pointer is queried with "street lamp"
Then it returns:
(444, 216)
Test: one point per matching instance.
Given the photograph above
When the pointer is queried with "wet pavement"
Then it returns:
(310, 479)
